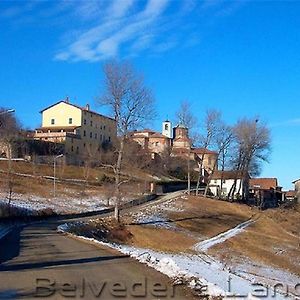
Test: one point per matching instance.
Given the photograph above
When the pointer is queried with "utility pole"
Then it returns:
(189, 173)
(54, 173)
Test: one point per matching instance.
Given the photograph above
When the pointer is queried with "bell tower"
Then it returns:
(167, 129)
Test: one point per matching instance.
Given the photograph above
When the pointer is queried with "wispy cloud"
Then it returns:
(287, 123)
(105, 40)
(101, 29)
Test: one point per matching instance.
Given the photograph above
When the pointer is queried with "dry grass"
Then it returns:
(273, 240)
(100, 181)
(209, 217)
(161, 239)
(198, 218)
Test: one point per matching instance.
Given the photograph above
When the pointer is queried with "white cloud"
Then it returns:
(154, 8)
(94, 30)
(291, 122)
(105, 40)
(120, 8)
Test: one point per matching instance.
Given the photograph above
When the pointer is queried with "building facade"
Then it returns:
(177, 143)
(82, 131)
(265, 192)
(223, 181)
(297, 189)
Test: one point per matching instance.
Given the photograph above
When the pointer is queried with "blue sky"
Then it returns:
(241, 57)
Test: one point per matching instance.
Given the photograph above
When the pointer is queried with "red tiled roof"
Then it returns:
(203, 151)
(291, 194)
(263, 183)
(158, 135)
(229, 175)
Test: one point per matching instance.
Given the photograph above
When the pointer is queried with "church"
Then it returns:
(176, 141)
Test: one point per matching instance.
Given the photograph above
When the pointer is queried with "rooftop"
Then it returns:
(229, 175)
(263, 183)
(83, 108)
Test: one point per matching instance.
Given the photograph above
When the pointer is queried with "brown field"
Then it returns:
(273, 240)
(209, 217)
(92, 181)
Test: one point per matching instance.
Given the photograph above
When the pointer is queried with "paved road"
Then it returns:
(73, 268)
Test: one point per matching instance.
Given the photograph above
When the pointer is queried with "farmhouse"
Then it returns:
(265, 192)
(82, 131)
(223, 181)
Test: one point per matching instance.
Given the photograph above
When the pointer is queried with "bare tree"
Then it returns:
(223, 142)
(132, 105)
(9, 129)
(252, 144)
(185, 117)
(211, 128)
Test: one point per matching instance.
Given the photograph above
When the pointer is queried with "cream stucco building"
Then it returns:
(82, 131)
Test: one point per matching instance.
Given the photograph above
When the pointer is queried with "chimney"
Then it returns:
(87, 107)
(67, 99)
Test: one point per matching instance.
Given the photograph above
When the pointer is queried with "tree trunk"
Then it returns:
(189, 176)
(200, 175)
(118, 179)
(210, 176)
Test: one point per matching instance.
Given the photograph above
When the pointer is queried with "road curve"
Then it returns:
(65, 266)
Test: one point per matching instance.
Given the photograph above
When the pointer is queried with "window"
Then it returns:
(91, 134)
(216, 181)
(70, 121)
(84, 145)
(104, 127)
(166, 127)
(77, 150)
(52, 121)
(91, 123)
(84, 121)
(109, 138)
(223, 181)
(72, 140)
(96, 135)
(72, 148)
(100, 137)
(84, 133)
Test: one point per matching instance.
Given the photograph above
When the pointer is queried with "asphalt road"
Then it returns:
(38, 263)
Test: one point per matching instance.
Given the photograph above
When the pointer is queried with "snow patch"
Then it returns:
(222, 237)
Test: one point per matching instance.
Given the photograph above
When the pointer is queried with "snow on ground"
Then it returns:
(267, 275)
(155, 214)
(222, 237)
(198, 271)
(64, 204)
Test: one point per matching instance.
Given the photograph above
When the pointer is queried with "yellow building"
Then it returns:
(82, 131)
